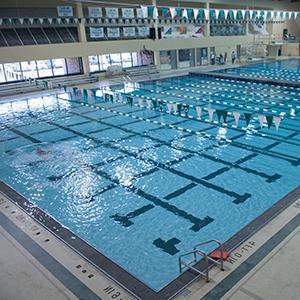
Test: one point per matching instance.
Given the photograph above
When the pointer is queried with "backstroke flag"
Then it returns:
(236, 116)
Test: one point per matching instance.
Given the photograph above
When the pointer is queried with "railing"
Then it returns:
(208, 261)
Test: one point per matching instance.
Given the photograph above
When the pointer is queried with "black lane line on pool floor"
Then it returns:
(241, 271)
(71, 282)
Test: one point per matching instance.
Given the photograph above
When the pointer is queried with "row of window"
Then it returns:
(39, 69)
(126, 60)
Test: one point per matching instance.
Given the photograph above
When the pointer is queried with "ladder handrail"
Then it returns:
(196, 252)
(221, 263)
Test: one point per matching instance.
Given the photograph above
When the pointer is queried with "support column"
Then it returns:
(82, 36)
(207, 27)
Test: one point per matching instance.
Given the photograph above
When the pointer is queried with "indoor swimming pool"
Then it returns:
(145, 175)
(287, 70)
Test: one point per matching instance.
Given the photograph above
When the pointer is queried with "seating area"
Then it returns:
(37, 36)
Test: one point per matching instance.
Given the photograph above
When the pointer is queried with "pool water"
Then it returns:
(143, 186)
(288, 70)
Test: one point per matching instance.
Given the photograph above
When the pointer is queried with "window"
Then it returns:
(105, 61)
(44, 68)
(59, 66)
(126, 60)
(2, 74)
(94, 63)
(115, 59)
(73, 65)
(13, 71)
(29, 69)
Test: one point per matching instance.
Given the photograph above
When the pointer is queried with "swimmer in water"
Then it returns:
(40, 152)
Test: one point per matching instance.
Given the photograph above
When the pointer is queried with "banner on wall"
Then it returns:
(113, 32)
(95, 12)
(143, 31)
(129, 31)
(96, 32)
(127, 13)
(139, 13)
(258, 28)
(65, 11)
(112, 12)
(182, 31)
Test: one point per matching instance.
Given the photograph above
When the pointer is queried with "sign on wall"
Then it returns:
(112, 12)
(96, 32)
(139, 13)
(95, 12)
(127, 13)
(65, 11)
(113, 32)
(129, 31)
(143, 31)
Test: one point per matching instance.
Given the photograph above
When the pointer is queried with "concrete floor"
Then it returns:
(276, 277)
(23, 277)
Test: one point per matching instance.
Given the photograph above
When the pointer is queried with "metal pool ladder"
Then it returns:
(209, 261)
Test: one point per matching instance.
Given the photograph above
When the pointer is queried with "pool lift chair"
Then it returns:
(216, 257)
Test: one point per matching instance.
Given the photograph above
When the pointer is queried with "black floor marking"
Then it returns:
(126, 220)
(23, 135)
(180, 191)
(167, 246)
(216, 173)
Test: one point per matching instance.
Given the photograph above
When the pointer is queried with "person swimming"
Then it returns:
(41, 152)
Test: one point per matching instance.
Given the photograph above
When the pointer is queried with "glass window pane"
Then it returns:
(2, 75)
(126, 60)
(13, 71)
(135, 61)
(115, 59)
(29, 69)
(73, 65)
(44, 68)
(94, 65)
(59, 66)
(105, 61)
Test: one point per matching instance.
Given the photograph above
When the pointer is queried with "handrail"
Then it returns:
(196, 252)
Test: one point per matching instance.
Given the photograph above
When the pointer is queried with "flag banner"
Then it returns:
(183, 31)
(236, 116)
(149, 104)
(224, 115)
(96, 32)
(65, 11)
(262, 119)
(269, 121)
(211, 114)
(95, 12)
(179, 107)
(219, 114)
(190, 13)
(169, 108)
(195, 11)
(277, 121)
(248, 118)
(206, 13)
(145, 11)
(199, 112)
(154, 104)
(185, 14)
(127, 13)
(141, 102)
(130, 101)
(175, 108)
(112, 12)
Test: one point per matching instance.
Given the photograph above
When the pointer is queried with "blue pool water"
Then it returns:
(144, 186)
(279, 70)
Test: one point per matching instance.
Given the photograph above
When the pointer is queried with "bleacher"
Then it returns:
(35, 85)
(37, 36)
